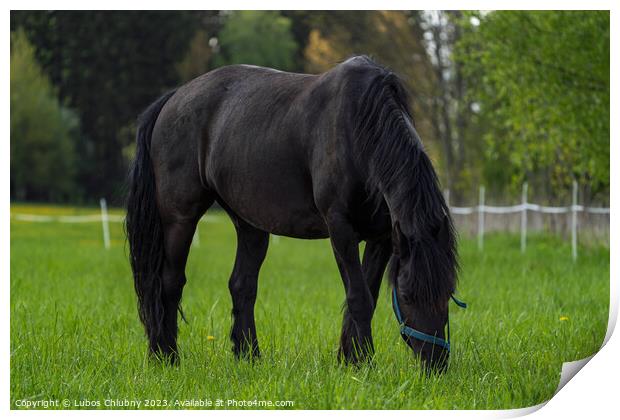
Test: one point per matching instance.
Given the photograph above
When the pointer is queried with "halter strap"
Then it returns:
(460, 303)
(419, 335)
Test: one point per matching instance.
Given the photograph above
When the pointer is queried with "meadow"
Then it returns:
(76, 337)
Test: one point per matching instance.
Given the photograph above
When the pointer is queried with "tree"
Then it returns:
(392, 38)
(541, 81)
(449, 105)
(42, 131)
(203, 47)
(261, 38)
(108, 66)
(198, 58)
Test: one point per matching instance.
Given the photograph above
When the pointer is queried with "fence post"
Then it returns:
(574, 221)
(446, 196)
(481, 218)
(524, 218)
(105, 223)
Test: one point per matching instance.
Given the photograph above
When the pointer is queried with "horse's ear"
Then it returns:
(399, 241)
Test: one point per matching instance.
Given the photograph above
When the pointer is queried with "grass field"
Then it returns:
(75, 333)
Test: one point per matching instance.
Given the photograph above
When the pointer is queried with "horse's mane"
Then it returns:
(399, 167)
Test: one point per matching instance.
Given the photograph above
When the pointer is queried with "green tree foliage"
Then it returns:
(108, 66)
(262, 38)
(197, 60)
(498, 97)
(449, 109)
(541, 81)
(42, 131)
(392, 38)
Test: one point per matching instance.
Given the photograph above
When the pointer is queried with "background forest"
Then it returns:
(499, 97)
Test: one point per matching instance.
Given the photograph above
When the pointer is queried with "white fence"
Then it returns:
(481, 209)
(104, 218)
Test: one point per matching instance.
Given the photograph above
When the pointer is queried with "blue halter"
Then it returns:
(419, 335)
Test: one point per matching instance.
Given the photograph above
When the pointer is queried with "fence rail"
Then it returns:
(523, 208)
(87, 218)
(481, 209)
(528, 206)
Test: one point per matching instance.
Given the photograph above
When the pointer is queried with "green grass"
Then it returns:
(75, 333)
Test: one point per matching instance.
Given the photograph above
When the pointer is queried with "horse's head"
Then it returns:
(423, 274)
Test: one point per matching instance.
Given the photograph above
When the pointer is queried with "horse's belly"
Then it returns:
(281, 218)
(295, 224)
(282, 205)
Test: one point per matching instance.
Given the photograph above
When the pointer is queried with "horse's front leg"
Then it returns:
(376, 256)
(356, 338)
(243, 285)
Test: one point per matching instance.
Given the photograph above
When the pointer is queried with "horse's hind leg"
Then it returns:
(179, 224)
(251, 250)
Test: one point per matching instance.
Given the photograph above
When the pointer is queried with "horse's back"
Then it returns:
(258, 138)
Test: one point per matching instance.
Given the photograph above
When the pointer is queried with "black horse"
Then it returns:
(307, 156)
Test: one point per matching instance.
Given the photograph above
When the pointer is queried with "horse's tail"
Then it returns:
(144, 227)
